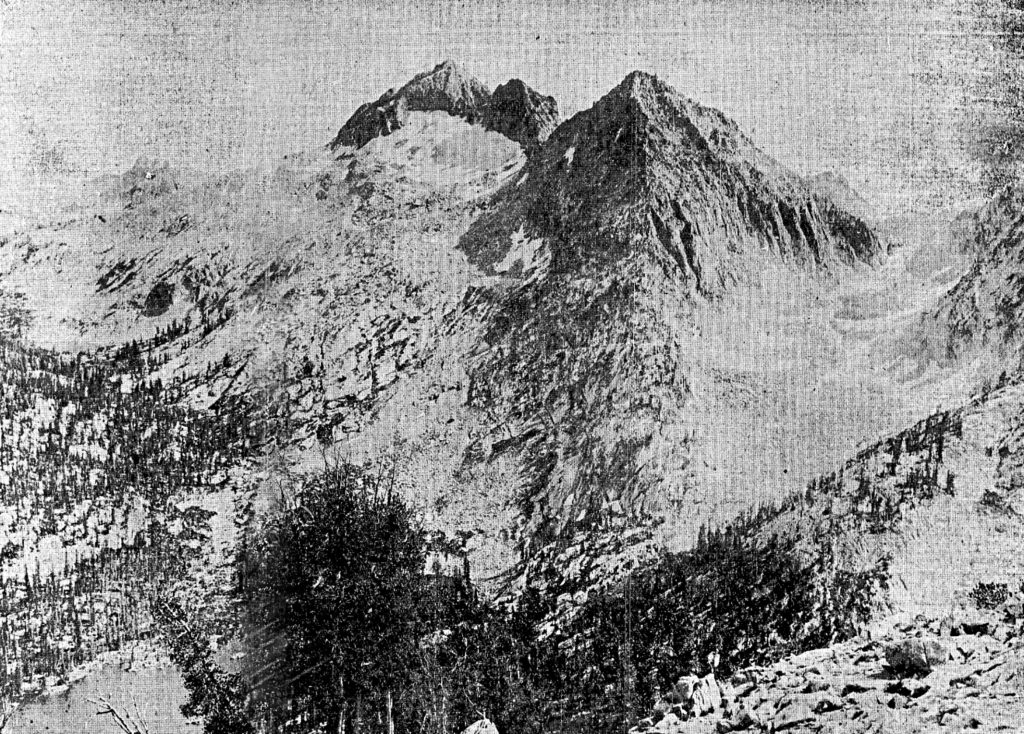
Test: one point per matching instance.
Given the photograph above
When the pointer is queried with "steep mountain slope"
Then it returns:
(324, 297)
(983, 309)
(932, 513)
(834, 186)
(629, 215)
(531, 339)
(555, 346)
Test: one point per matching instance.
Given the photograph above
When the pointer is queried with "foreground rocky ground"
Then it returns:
(964, 672)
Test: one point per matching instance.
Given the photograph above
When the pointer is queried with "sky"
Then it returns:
(908, 100)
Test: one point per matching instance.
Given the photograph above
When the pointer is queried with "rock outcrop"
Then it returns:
(834, 186)
(521, 114)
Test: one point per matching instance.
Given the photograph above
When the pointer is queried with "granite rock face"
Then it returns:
(521, 114)
(984, 307)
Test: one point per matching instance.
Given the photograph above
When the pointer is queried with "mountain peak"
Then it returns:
(522, 114)
(514, 110)
(649, 93)
(648, 169)
(445, 88)
(639, 83)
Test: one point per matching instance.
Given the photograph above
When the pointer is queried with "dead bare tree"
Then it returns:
(124, 719)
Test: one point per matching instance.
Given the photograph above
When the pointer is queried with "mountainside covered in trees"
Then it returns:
(619, 366)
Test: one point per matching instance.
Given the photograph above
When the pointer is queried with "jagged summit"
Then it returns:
(522, 114)
(445, 88)
(645, 165)
(515, 110)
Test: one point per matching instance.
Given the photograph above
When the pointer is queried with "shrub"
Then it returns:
(990, 595)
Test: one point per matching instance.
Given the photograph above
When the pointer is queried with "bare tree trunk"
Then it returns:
(343, 714)
(391, 718)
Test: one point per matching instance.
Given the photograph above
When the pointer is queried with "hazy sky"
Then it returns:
(893, 94)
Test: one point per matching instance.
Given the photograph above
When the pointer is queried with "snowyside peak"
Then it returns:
(445, 88)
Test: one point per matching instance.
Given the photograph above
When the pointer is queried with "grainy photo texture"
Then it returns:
(511, 367)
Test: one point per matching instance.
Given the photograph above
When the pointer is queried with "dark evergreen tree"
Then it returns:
(335, 583)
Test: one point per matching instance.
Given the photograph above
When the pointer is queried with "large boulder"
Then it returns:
(707, 697)
(793, 715)
(915, 655)
(697, 696)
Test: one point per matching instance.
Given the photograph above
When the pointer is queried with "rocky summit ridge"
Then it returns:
(514, 110)
(647, 164)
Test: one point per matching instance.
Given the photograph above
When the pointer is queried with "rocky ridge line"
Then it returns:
(514, 110)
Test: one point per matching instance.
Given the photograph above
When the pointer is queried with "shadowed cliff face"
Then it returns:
(445, 88)
(983, 309)
(521, 114)
(627, 214)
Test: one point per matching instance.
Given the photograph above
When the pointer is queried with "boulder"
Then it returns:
(669, 722)
(915, 655)
(793, 715)
(826, 702)
(481, 726)
(909, 687)
(682, 691)
(707, 697)
(745, 719)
